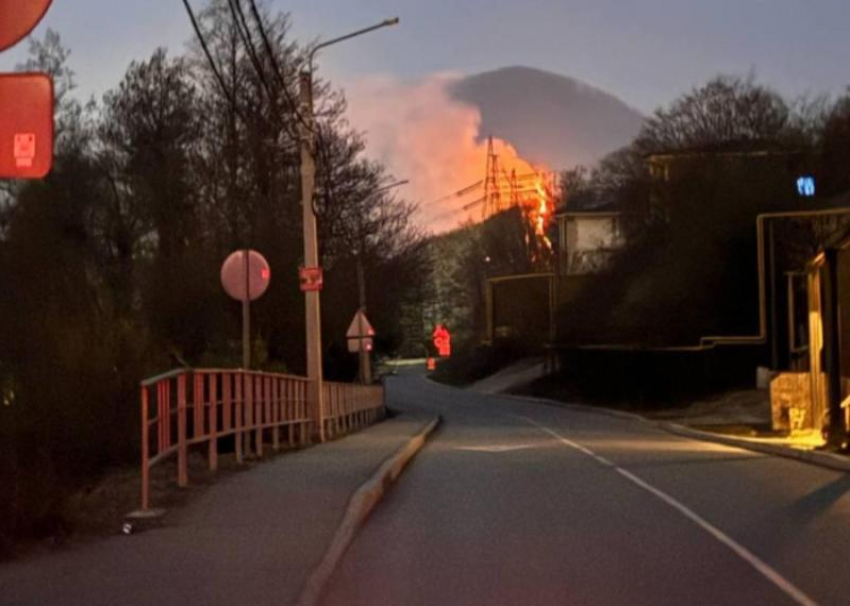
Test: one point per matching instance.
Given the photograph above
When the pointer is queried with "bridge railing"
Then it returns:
(199, 408)
(349, 406)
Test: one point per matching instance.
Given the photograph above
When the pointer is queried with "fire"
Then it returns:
(543, 214)
(509, 181)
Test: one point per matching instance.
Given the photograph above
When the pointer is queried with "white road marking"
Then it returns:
(496, 448)
(745, 554)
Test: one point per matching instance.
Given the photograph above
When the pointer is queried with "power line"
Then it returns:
(321, 144)
(229, 95)
(293, 104)
(247, 42)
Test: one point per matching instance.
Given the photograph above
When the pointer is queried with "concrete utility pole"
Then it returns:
(312, 299)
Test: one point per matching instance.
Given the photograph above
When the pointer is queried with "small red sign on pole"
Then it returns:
(432, 364)
(311, 279)
(443, 341)
(26, 126)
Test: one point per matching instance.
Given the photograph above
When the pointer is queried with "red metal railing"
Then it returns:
(350, 407)
(195, 407)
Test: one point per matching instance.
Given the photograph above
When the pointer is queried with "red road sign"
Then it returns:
(18, 18)
(233, 277)
(26, 126)
(443, 340)
(311, 279)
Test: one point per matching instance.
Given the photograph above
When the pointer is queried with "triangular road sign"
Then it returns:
(360, 327)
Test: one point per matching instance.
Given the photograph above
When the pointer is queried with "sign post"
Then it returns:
(245, 276)
(360, 340)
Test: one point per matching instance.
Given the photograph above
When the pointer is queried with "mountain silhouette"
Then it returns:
(549, 118)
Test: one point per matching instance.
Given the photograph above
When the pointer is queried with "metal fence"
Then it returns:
(201, 407)
(350, 406)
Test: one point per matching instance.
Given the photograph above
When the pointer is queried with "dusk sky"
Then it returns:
(644, 51)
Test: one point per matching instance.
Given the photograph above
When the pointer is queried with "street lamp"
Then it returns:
(311, 243)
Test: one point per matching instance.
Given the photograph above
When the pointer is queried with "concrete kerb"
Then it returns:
(821, 459)
(361, 504)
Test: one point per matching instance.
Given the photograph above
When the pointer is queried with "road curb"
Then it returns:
(821, 459)
(361, 504)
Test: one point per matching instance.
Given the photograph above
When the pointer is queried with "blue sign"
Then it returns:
(806, 186)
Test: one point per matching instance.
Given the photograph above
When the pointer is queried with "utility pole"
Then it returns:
(315, 395)
(492, 191)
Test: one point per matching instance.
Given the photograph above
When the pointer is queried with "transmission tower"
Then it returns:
(492, 187)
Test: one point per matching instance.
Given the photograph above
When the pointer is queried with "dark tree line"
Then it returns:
(109, 267)
(690, 187)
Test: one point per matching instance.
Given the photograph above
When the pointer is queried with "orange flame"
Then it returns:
(522, 184)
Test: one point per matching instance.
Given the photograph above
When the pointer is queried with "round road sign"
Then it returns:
(18, 18)
(233, 275)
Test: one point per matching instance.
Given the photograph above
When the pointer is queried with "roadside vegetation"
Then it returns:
(722, 154)
(110, 266)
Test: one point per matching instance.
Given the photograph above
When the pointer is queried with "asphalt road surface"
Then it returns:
(520, 503)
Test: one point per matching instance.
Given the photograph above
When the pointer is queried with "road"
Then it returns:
(514, 502)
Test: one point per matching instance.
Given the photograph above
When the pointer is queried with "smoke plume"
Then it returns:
(421, 134)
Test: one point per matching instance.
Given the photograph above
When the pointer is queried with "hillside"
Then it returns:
(549, 118)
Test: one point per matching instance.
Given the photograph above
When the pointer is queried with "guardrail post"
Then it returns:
(198, 406)
(248, 392)
(277, 417)
(146, 487)
(303, 413)
(182, 448)
(259, 405)
(238, 421)
(212, 417)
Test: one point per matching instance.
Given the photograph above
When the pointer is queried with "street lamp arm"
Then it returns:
(321, 45)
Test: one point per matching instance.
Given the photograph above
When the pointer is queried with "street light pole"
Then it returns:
(312, 299)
